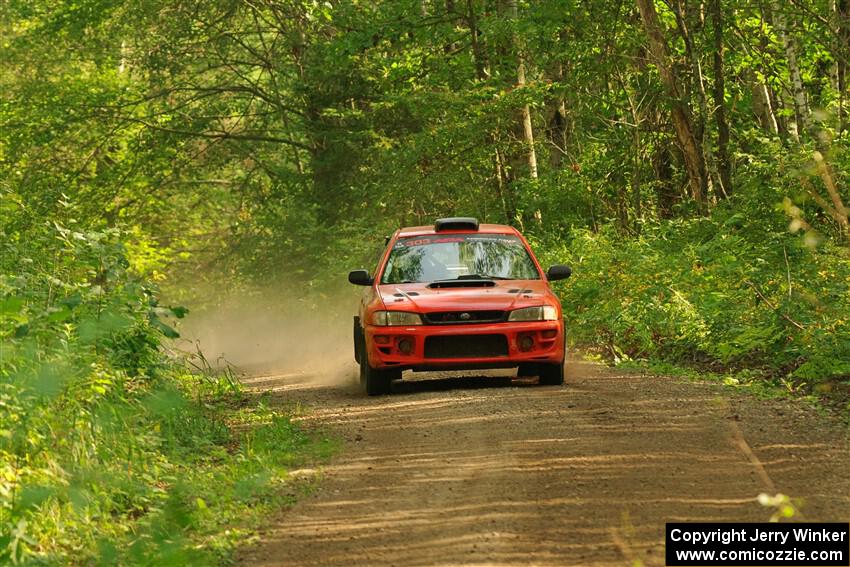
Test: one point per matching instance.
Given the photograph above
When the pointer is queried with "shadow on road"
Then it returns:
(473, 470)
(459, 383)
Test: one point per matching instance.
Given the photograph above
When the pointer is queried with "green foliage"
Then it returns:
(730, 291)
(109, 452)
(229, 145)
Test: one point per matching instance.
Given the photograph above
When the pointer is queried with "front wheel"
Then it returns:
(376, 381)
(552, 374)
(358, 340)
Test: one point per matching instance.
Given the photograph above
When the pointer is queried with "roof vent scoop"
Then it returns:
(456, 223)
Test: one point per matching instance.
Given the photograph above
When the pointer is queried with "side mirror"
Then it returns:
(558, 272)
(360, 277)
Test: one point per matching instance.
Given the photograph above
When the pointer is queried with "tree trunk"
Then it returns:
(527, 127)
(835, 23)
(700, 122)
(506, 194)
(558, 122)
(637, 119)
(838, 211)
(477, 53)
(450, 47)
(842, 53)
(763, 107)
(723, 165)
(558, 133)
(682, 123)
(665, 190)
(801, 109)
(636, 169)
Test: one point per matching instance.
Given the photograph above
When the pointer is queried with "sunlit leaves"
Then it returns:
(743, 297)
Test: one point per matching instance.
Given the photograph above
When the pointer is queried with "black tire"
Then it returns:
(375, 381)
(360, 349)
(358, 337)
(552, 374)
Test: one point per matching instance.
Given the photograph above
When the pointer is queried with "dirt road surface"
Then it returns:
(486, 471)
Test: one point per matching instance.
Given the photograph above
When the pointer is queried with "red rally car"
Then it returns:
(458, 295)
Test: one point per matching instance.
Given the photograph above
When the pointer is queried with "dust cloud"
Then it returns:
(270, 333)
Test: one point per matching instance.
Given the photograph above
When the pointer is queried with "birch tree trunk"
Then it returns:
(763, 107)
(801, 109)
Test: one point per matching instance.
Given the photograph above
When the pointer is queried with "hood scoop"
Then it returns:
(462, 283)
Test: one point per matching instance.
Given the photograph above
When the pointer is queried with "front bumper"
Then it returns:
(404, 347)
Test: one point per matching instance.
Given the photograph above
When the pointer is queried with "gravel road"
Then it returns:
(489, 471)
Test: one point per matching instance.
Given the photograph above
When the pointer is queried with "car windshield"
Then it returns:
(459, 256)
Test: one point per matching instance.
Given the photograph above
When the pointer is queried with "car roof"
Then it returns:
(482, 229)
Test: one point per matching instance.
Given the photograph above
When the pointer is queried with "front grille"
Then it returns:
(463, 317)
(466, 346)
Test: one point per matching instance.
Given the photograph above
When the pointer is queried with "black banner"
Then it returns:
(767, 544)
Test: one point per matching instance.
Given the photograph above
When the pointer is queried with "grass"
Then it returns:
(216, 464)
(229, 489)
(238, 485)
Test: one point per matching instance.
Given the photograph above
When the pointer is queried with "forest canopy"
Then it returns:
(245, 141)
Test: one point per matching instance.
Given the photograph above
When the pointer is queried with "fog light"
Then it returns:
(405, 346)
(526, 342)
(550, 334)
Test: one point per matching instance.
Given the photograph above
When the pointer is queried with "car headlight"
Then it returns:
(395, 318)
(539, 313)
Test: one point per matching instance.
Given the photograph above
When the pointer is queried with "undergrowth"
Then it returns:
(110, 451)
(733, 294)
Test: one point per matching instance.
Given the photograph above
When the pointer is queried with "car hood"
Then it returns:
(505, 295)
